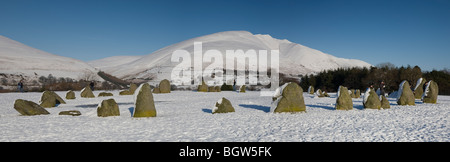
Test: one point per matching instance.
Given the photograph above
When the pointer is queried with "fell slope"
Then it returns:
(294, 58)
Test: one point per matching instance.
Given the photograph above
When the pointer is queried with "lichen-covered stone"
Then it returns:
(211, 89)
(29, 108)
(70, 112)
(311, 90)
(108, 108)
(223, 106)
(130, 91)
(203, 87)
(242, 89)
(418, 90)
(50, 99)
(144, 103)
(70, 95)
(319, 93)
(325, 94)
(352, 94)
(164, 86)
(218, 89)
(372, 101)
(431, 93)
(156, 90)
(405, 95)
(343, 101)
(385, 102)
(357, 93)
(289, 98)
(87, 93)
(105, 94)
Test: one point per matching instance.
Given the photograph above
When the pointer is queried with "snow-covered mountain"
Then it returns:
(294, 58)
(19, 59)
(109, 62)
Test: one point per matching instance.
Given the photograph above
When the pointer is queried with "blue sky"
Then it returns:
(414, 32)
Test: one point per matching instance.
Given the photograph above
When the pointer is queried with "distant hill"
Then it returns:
(19, 59)
(294, 58)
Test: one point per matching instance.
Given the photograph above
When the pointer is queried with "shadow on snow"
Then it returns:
(206, 110)
(96, 105)
(256, 107)
(322, 107)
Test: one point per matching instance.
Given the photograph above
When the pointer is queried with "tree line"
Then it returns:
(361, 78)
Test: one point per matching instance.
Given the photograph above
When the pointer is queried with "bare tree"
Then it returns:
(88, 76)
(386, 65)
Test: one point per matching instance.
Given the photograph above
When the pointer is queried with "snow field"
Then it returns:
(186, 116)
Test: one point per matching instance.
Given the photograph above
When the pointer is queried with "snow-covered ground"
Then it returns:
(186, 116)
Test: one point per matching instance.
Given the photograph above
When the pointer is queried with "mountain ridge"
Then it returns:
(294, 58)
(20, 59)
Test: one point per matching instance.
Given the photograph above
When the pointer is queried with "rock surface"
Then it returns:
(70, 95)
(289, 98)
(406, 96)
(108, 108)
(50, 99)
(372, 101)
(164, 86)
(105, 94)
(343, 101)
(29, 108)
(223, 106)
(70, 112)
(431, 93)
(144, 103)
(87, 93)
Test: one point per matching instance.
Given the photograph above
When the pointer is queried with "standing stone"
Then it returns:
(226, 87)
(156, 90)
(133, 88)
(125, 92)
(70, 95)
(242, 89)
(203, 87)
(352, 94)
(105, 94)
(164, 86)
(289, 98)
(86, 92)
(371, 100)
(29, 108)
(431, 93)
(357, 93)
(211, 89)
(418, 90)
(319, 93)
(311, 90)
(71, 112)
(144, 103)
(130, 91)
(218, 89)
(108, 108)
(385, 102)
(223, 106)
(405, 94)
(50, 99)
(325, 94)
(343, 101)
